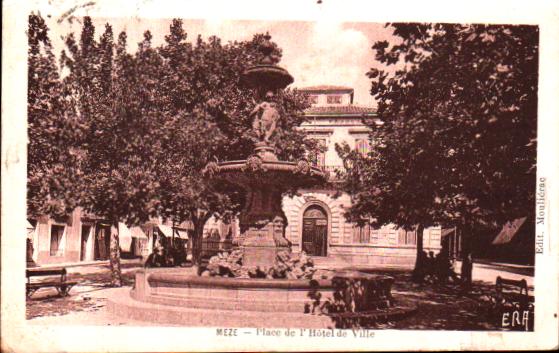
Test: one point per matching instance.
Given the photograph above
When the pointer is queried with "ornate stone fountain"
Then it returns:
(262, 176)
(340, 299)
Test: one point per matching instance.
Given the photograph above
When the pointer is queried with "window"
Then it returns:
(334, 99)
(407, 237)
(319, 159)
(362, 146)
(102, 241)
(313, 99)
(56, 234)
(362, 234)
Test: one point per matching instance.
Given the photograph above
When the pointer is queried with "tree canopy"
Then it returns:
(146, 123)
(51, 128)
(457, 146)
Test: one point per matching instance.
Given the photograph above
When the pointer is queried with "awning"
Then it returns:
(185, 225)
(124, 237)
(166, 230)
(509, 231)
(181, 233)
(138, 233)
(446, 231)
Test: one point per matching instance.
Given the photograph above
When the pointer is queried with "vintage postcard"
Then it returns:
(279, 176)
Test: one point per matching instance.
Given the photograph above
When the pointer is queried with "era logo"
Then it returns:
(513, 319)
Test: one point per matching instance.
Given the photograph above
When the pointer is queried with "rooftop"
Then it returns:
(340, 110)
(326, 88)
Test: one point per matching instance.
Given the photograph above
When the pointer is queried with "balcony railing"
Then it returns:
(212, 247)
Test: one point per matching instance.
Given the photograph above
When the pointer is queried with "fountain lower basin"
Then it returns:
(255, 294)
(174, 296)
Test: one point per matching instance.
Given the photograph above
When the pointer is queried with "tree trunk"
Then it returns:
(114, 257)
(198, 220)
(467, 260)
(419, 269)
(197, 244)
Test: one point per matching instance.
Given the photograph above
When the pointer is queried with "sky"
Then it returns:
(315, 53)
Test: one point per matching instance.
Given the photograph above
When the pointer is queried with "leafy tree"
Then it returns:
(51, 128)
(152, 120)
(189, 140)
(89, 83)
(111, 99)
(201, 84)
(458, 144)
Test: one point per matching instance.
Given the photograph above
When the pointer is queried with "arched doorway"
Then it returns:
(315, 231)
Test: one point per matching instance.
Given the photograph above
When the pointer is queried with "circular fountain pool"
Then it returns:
(175, 296)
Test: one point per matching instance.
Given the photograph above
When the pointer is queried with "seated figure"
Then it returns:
(157, 258)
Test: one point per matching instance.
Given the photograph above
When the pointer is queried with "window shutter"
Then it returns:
(56, 233)
(401, 236)
(366, 234)
(414, 237)
(356, 234)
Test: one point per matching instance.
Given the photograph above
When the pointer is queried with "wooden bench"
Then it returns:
(512, 291)
(370, 318)
(62, 285)
(512, 307)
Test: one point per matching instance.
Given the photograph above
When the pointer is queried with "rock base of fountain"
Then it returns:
(283, 265)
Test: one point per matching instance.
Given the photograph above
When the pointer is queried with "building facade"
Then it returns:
(316, 222)
(82, 237)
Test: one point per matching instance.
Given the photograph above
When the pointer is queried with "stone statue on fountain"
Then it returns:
(265, 116)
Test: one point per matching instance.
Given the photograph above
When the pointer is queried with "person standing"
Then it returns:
(30, 249)
(466, 270)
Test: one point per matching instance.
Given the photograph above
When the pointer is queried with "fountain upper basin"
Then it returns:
(256, 170)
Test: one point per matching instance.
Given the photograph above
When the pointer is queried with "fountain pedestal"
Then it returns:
(265, 151)
(262, 227)
(262, 221)
(259, 251)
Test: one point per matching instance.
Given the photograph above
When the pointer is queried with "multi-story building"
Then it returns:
(316, 222)
(82, 237)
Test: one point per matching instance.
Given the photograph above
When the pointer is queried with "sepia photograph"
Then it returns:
(280, 178)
